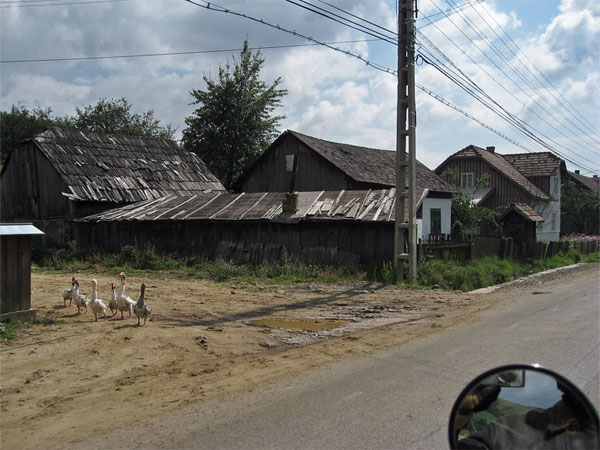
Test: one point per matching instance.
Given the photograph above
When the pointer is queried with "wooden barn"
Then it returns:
(342, 227)
(320, 165)
(15, 271)
(533, 179)
(62, 174)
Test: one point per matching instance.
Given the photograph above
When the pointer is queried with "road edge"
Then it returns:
(491, 289)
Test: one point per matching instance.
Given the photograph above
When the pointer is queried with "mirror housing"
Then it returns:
(522, 406)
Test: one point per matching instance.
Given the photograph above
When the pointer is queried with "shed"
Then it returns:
(61, 174)
(342, 227)
(519, 222)
(15, 270)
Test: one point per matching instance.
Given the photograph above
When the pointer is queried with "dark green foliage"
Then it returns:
(233, 123)
(580, 209)
(107, 116)
(115, 117)
(20, 123)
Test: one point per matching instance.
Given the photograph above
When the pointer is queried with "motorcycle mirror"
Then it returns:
(522, 406)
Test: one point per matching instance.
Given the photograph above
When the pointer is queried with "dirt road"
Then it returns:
(79, 378)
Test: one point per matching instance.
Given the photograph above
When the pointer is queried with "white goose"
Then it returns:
(141, 309)
(80, 300)
(112, 303)
(124, 303)
(97, 305)
(67, 294)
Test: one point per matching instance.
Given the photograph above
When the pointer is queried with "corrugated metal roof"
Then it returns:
(109, 168)
(370, 205)
(18, 229)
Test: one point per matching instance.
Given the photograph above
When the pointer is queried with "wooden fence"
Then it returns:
(442, 246)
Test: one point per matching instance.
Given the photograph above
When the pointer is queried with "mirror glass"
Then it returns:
(516, 407)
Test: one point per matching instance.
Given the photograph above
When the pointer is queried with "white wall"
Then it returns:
(445, 204)
(549, 229)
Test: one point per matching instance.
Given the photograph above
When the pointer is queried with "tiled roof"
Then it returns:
(98, 167)
(535, 164)
(499, 163)
(369, 205)
(524, 211)
(592, 183)
(370, 165)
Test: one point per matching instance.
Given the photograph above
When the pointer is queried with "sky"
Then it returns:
(537, 61)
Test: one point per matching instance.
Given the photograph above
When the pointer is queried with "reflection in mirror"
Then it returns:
(523, 408)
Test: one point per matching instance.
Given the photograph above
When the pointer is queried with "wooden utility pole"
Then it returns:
(405, 233)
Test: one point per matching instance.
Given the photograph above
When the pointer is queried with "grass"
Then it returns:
(445, 274)
(9, 330)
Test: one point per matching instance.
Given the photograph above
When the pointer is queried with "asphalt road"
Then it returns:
(399, 398)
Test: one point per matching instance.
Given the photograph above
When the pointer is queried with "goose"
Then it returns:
(80, 300)
(97, 305)
(140, 308)
(112, 303)
(124, 303)
(67, 294)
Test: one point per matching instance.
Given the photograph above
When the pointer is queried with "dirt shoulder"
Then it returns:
(78, 379)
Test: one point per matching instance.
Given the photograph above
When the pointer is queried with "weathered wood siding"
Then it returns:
(505, 191)
(314, 172)
(15, 274)
(339, 242)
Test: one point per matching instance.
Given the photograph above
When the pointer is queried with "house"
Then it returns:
(299, 162)
(583, 182)
(533, 179)
(61, 174)
(15, 271)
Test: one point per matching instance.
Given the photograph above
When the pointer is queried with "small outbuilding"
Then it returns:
(15, 271)
(519, 222)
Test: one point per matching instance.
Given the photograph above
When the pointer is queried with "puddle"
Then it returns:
(299, 324)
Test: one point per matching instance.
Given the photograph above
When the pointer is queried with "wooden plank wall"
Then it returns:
(15, 274)
(334, 241)
(505, 193)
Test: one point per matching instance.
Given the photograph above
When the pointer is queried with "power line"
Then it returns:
(25, 4)
(191, 52)
(509, 64)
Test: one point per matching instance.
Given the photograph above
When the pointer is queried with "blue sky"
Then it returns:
(331, 95)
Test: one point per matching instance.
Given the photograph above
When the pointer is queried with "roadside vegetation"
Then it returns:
(8, 330)
(432, 273)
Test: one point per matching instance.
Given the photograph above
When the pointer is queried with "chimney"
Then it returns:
(577, 172)
(491, 149)
(290, 202)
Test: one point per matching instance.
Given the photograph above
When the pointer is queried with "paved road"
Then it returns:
(399, 398)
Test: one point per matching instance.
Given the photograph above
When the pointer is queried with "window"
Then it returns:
(554, 215)
(467, 180)
(436, 220)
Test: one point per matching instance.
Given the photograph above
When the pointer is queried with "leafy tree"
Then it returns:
(107, 116)
(233, 123)
(21, 123)
(580, 209)
(115, 117)
(466, 217)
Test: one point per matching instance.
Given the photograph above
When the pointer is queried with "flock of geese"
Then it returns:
(118, 301)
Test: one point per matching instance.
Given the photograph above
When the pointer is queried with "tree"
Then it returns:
(20, 124)
(115, 117)
(234, 122)
(580, 209)
(466, 217)
(107, 116)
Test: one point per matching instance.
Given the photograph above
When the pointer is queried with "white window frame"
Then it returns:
(467, 180)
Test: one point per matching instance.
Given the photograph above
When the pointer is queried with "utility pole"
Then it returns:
(405, 231)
